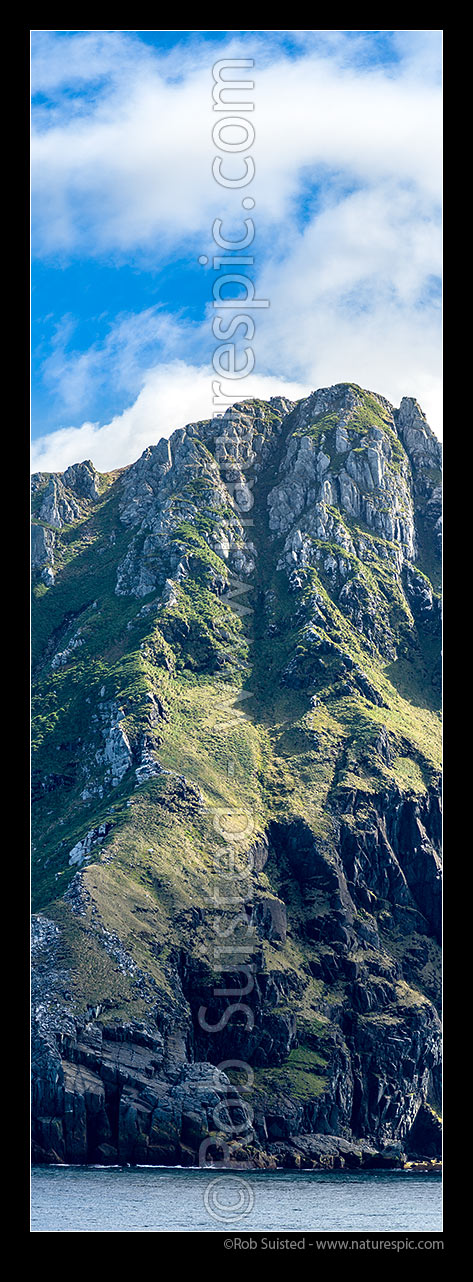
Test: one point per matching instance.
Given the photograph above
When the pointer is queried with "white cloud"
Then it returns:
(132, 169)
(352, 300)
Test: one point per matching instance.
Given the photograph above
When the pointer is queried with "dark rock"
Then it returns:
(425, 1136)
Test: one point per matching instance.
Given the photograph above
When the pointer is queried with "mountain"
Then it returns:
(236, 792)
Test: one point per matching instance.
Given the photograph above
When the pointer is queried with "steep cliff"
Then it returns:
(236, 792)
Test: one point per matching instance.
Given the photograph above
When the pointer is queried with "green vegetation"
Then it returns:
(301, 1077)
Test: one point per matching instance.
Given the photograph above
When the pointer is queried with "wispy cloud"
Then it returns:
(131, 347)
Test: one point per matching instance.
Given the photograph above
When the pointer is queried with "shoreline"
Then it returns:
(427, 1166)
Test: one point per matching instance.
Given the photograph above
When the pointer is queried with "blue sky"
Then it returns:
(347, 226)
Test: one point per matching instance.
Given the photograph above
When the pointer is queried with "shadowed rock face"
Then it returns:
(236, 793)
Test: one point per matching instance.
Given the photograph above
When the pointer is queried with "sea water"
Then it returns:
(84, 1199)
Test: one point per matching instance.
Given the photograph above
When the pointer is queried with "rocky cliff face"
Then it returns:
(236, 791)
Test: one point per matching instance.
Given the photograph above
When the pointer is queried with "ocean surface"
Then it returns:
(84, 1199)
